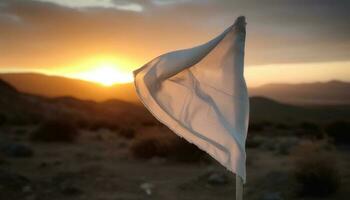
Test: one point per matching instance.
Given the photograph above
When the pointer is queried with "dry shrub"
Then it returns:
(315, 170)
(254, 141)
(163, 143)
(56, 130)
(186, 152)
(147, 145)
(285, 145)
(339, 131)
(283, 126)
(2, 119)
(256, 127)
(310, 130)
(127, 132)
(102, 123)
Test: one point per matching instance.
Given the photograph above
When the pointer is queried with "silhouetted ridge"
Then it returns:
(333, 92)
(5, 87)
(262, 100)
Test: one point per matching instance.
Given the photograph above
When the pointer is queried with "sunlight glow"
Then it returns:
(106, 74)
(297, 73)
(109, 70)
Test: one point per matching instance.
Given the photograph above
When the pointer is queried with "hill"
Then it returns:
(264, 109)
(19, 108)
(56, 86)
(319, 93)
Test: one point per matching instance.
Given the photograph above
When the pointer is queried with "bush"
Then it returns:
(97, 124)
(148, 146)
(2, 119)
(255, 127)
(57, 130)
(127, 132)
(285, 145)
(164, 144)
(185, 152)
(315, 171)
(310, 130)
(283, 126)
(266, 123)
(339, 131)
(254, 141)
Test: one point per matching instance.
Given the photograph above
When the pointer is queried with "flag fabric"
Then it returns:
(201, 95)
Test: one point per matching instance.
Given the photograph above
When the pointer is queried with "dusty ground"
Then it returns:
(99, 167)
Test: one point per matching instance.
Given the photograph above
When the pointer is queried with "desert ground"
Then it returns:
(99, 165)
(65, 148)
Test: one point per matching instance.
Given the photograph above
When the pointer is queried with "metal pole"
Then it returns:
(239, 188)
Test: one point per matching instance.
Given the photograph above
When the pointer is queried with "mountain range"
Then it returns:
(56, 86)
(22, 108)
(317, 93)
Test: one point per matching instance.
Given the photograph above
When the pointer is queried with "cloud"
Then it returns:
(10, 17)
(46, 33)
(170, 2)
(81, 4)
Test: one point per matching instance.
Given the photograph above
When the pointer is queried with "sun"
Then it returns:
(106, 74)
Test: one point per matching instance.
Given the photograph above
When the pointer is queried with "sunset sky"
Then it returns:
(104, 40)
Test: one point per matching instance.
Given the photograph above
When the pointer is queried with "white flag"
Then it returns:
(201, 95)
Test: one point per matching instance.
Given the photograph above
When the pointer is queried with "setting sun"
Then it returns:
(106, 75)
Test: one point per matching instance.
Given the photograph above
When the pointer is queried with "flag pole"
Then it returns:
(239, 188)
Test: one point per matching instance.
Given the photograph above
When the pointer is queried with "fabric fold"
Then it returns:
(201, 95)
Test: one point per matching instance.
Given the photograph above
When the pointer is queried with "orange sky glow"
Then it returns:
(103, 41)
(109, 72)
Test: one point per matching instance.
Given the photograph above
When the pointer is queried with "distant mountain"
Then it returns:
(264, 109)
(56, 86)
(14, 106)
(19, 108)
(318, 93)
(7, 88)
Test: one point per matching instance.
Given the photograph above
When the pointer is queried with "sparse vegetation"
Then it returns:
(339, 131)
(310, 130)
(185, 152)
(56, 130)
(285, 145)
(315, 171)
(127, 132)
(256, 127)
(103, 123)
(98, 164)
(165, 144)
(150, 145)
(2, 119)
(254, 141)
(282, 126)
